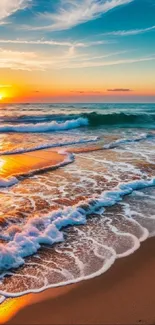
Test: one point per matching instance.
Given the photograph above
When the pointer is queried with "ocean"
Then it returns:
(71, 223)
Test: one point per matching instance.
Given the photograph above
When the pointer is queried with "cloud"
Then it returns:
(3, 23)
(91, 64)
(130, 32)
(31, 61)
(72, 13)
(53, 42)
(38, 42)
(119, 90)
(19, 60)
(8, 7)
(86, 92)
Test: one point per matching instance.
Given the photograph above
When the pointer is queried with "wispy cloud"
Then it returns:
(38, 42)
(72, 13)
(53, 42)
(86, 92)
(130, 32)
(93, 64)
(2, 23)
(32, 61)
(119, 90)
(19, 60)
(8, 7)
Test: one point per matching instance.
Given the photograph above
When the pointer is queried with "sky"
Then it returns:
(77, 51)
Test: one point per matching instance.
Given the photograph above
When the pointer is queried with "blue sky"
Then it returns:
(78, 49)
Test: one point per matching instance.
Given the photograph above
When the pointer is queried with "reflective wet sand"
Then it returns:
(26, 163)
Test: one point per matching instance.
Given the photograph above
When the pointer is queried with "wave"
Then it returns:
(125, 141)
(37, 118)
(120, 119)
(11, 181)
(49, 146)
(69, 157)
(8, 182)
(45, 127)
(48, 230)
(62, 122)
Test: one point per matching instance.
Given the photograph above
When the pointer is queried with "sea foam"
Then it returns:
(124, 141)
(51, 145)
(28, 240)
(7, 182)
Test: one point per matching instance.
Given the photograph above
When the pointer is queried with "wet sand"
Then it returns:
(25, 163)
(123, 295)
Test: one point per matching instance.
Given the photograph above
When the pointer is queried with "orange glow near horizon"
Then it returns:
(79, 97)
(56, 93)
(82, 85)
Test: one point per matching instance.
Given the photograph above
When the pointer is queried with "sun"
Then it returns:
(1, 97)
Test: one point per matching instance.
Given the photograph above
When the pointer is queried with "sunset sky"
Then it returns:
(77, 50)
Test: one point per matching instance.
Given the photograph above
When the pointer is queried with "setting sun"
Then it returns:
(1, 97)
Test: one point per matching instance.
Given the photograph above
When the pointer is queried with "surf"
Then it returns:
(26, 242)
(55, 123)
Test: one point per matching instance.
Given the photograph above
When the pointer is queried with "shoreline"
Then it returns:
(122, 295)
(17, 165)
(33, 162)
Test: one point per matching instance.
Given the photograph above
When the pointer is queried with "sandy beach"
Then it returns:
(123, 295)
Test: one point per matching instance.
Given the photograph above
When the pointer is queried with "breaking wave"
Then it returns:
(48, 230)
(50, 145)
(44, 127)
(72, 121)
(121, 119)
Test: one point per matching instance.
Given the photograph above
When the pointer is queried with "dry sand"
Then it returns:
(123, 295)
